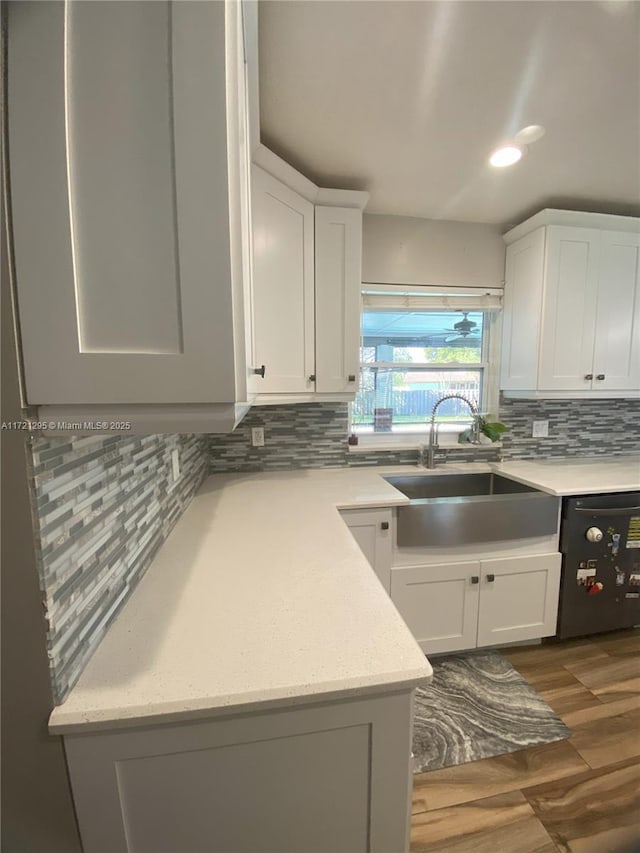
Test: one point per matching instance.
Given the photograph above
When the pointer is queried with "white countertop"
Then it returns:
(578, 476)
(259, 598)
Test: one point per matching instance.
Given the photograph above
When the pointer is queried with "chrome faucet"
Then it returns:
(433, 433)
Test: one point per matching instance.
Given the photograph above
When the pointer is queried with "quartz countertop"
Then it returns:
(576, 476)
(260, 598)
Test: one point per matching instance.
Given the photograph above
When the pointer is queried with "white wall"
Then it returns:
(406, 250)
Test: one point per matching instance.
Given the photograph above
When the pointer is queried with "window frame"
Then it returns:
(451, 299)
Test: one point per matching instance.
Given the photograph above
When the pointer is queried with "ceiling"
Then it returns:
(408, 99)
(421, 328)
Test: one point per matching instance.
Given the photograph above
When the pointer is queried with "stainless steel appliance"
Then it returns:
(600, 543)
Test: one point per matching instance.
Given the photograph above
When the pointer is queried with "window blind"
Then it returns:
(431, 298)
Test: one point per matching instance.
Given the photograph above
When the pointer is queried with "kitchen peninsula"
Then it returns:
(259, 659)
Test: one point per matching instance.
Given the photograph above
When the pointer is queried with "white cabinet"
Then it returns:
(338, 279)
(283, 285)
(328, 778)
(569, 313)
(372, 530)
(518, 598)
(454, 606)
(439, 603)
(572, 306)
(616, 352)
(130, 217)
(307, 245)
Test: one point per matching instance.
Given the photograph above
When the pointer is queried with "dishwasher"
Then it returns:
(600, 544)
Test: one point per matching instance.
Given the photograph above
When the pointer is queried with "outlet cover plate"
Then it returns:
(257, 436)
(540, 429)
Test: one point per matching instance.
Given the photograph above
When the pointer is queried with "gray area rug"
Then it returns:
(478, 706)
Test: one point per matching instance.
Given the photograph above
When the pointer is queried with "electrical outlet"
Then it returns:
(540, 429)
(175, 464)
(257, 436)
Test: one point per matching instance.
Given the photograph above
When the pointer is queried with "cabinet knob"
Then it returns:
(260, 371)
(588, 376)
(351, 377)
(475, 579)
(312, 378)
(600, 376)
(491, 578)
(384, 525)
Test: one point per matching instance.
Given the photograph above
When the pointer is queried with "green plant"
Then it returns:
(492, 429)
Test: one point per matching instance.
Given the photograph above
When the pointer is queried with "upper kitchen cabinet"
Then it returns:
(130, 131)
(283, 279)
(572, 306)
(307, 245)
(338, 283)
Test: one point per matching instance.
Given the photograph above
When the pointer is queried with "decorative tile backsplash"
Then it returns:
(313, 435)
(576, 428)
(308, 435)
(102, 506)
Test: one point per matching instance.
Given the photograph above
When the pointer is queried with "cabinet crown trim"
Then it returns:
(576, 218)
(296, 181)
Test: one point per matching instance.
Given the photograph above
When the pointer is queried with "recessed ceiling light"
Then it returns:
(506, 156)
(530, 133)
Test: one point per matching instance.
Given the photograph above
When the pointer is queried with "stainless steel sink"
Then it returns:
(459, 509)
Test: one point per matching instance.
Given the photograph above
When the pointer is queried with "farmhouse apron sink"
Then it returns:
(460, 509)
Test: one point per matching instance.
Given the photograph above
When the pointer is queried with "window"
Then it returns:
(416, 349)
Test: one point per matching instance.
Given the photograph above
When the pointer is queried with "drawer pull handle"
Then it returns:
(491, 578)
(384, 525)
(351, 377)
(589, 376)
(596, 510)
(475, 579)
(260, 371)
(600, 376)
(312, 378)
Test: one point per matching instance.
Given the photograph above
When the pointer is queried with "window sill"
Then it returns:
(394, 443)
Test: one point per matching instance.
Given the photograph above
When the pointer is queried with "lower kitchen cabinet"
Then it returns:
(518, 599)
(372, 530)
(455, 606)
(327, 778)
(439, 603)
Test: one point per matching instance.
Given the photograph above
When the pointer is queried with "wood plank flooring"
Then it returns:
(580, 795)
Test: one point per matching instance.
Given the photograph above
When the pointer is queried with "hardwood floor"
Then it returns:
(580, 795)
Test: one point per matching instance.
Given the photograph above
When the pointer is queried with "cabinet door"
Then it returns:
(518, 599)
(569, 313)
(372, 530)
(617, 343)
(121, 189)
(283, 300)
(524, 272)
(439, 603)
(338, 282)
(322, 778)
